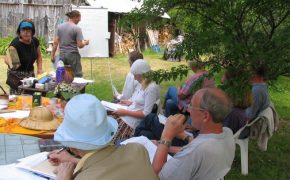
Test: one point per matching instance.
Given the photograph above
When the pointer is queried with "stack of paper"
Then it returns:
(82, 80)
(150, 147)
(112, 106)
(16, 114)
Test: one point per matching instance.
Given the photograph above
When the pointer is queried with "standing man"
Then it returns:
(69, 38)
(211, 153)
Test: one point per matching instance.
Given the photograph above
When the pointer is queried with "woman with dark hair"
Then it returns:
(28, 50)
(69, 38)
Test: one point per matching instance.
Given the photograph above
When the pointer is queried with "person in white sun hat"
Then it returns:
(87, 132)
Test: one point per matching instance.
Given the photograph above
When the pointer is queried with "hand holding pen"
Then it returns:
(58, 156)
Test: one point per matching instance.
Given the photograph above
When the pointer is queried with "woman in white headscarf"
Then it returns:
(142, 101)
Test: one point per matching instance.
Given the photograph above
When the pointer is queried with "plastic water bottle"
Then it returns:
(60, 72)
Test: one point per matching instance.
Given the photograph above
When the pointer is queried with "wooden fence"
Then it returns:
(46, 15)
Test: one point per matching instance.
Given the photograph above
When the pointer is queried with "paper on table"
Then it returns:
(112, 106)
(39, 164)
(17, 114)
(82, 80)
(9, 172)
(3, 106)
(150, 147)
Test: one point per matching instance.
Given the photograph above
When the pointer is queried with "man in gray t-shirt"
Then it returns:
(69, 38)
(210, 155)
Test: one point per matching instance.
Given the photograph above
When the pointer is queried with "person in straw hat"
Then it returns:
(87, 132)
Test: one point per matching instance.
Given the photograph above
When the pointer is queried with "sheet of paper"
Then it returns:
(115, 92)
(17, 114)
(3, 106)
(162, 118)
(9, 172)
(112, 106)
(150, 147)
(82, 80)
(37, 163)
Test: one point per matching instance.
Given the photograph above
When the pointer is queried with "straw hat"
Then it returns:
(40, 118)
(86, 125)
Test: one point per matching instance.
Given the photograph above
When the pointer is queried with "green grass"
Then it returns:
(273, 164)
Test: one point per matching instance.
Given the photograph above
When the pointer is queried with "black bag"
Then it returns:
(14, 79)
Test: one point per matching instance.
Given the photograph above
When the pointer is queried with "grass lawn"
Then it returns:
(273, 164)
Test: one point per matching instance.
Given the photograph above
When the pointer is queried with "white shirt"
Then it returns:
(209, 156)
(143, 100)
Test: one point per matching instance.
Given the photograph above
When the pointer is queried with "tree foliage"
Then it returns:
(240, 35)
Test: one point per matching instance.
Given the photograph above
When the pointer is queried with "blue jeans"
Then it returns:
(171, 99)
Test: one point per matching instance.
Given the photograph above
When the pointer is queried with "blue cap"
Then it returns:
(25, 24)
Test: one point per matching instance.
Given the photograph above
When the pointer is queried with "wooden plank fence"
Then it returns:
(46, 15)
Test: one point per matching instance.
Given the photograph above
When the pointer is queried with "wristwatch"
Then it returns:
(187, 139)
(166, 143)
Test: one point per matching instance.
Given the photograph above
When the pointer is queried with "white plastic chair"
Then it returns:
(244, 145)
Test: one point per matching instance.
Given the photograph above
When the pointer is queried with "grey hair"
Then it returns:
(217, 103)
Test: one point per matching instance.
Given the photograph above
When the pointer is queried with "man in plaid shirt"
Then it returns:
(177, 100)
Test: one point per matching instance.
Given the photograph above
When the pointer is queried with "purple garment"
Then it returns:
(236, 119)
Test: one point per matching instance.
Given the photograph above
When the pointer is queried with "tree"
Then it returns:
(237, 35)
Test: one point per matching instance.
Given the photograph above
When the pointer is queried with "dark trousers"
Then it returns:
(151, 128)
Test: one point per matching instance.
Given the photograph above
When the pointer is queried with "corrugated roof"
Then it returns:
(119, 6)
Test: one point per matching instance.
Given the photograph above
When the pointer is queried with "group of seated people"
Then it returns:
(199, 117)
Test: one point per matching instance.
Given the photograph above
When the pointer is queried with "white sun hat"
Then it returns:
(140, 66)
(86, 125)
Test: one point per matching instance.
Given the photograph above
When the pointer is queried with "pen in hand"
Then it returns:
(57, 152)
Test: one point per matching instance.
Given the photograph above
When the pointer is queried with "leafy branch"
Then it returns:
(166, 75)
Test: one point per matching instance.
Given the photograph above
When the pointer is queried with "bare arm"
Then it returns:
(54, 47)
(174, 125)
(6, 60)
(123, 112)
(82, 43)
(39, 61)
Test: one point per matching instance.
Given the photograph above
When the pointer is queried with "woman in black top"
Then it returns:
(27, 47)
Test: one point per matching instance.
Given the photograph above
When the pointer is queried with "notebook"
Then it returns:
(38, 164)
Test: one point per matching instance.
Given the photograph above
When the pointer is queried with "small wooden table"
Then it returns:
(79, 87)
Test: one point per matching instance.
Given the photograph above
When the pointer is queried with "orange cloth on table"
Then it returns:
(11, 125)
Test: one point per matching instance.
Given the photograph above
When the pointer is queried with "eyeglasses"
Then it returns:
(190, 107)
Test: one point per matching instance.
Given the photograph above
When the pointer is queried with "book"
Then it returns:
(149, 145)
(112, 106)
(10, 171)
(37, 164)
(12, 58)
